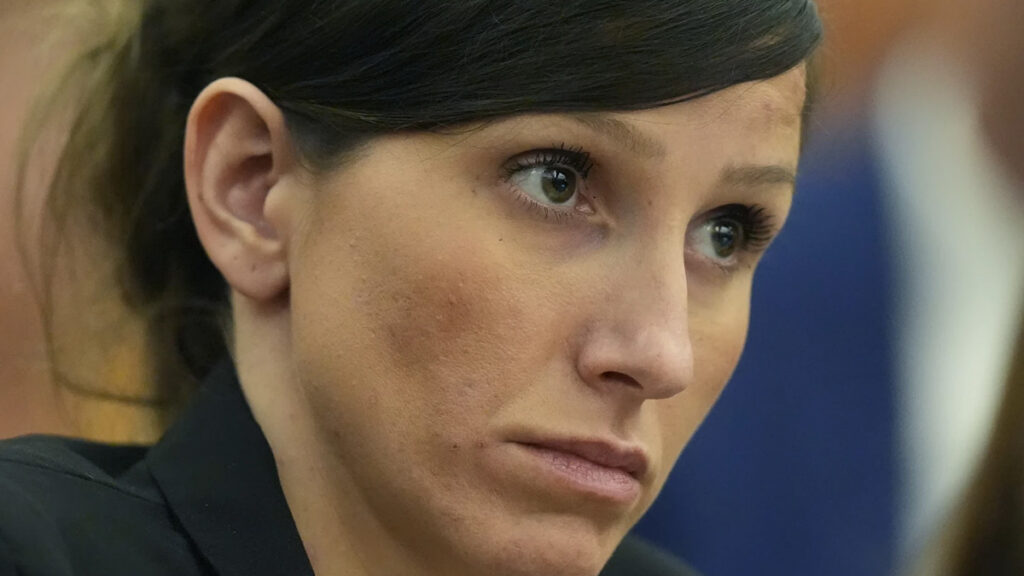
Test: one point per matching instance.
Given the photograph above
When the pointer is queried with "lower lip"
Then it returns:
(586, 477)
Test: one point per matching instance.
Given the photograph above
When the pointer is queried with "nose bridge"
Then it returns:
(659, 330)
(655, 294)
(643, 342)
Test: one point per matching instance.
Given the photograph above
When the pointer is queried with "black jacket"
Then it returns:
(205, 500)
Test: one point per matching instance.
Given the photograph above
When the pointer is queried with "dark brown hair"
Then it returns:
(344, 71)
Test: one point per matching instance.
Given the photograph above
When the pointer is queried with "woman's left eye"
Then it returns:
(728, 232)
(724, 237)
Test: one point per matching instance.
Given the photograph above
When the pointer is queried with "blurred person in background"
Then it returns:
(986, 531)
(28, 399)
(467, 277)
(956, 228)
(985, 534)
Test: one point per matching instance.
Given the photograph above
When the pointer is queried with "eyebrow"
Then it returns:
(643, 145)
(758, 175)
(623, 133)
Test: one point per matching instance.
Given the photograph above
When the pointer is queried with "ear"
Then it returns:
(237, 149)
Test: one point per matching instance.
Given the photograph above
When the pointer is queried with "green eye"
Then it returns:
(721, 239)
(552, 181)
(549, 185)
(725, 236)
(559, 186)
(731, 233)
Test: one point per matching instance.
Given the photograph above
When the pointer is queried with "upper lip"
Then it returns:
(629, 458)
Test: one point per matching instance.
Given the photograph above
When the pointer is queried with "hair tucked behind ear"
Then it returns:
(344, 71)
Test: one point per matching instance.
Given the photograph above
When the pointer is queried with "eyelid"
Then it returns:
(575, 158)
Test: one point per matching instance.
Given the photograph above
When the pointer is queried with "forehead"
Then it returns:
(783, 96)
(750, 122)
(772, 103)
(754, 121)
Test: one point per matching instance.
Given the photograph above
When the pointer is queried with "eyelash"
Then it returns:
(757, 229)
(758, 226)
(575, 158)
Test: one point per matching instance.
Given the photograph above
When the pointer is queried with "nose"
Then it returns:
(639, 343)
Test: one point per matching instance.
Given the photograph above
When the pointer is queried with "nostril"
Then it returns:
(620, 378)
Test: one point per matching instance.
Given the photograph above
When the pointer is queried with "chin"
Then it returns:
(550, 546)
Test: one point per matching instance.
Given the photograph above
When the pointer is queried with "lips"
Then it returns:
(607, 454)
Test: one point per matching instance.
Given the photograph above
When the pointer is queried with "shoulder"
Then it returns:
(54, 495)
(635, 557)
(64, 469)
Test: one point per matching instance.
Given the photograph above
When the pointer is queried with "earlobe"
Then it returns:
(237, 150)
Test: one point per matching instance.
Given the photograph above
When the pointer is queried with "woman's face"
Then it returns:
(504, 337)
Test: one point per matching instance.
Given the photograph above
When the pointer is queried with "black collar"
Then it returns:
(218, 475)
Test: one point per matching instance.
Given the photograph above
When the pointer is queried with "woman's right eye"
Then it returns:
(552, 180)
(549, 185)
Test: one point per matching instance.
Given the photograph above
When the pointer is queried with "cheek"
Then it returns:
(446, 323)
(413, 322)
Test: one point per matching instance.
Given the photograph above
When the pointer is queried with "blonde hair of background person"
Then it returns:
(448, 246)
(95, 353)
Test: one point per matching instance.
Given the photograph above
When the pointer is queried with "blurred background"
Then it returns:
(882, 327)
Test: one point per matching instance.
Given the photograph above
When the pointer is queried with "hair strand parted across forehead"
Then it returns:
(375, 66)
(484, 59)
